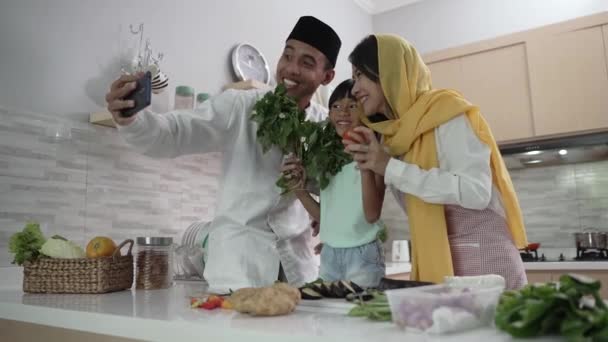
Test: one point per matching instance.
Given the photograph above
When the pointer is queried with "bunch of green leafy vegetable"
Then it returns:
(376, 309)
(571, 307)
(283, 125)
(278, 118)
(325, 154)
(26, 244)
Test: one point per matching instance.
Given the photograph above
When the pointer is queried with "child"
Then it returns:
(349, 207)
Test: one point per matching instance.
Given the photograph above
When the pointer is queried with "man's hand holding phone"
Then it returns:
(129, 95)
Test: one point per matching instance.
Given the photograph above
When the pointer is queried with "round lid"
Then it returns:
(154, 241)
(184, 91)
(201, 97)
(249, 64)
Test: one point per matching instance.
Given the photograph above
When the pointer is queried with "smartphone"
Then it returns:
(141, 96)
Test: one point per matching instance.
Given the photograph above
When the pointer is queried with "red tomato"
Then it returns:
(347, 137)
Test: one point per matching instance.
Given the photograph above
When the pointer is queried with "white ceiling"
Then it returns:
(379, 6)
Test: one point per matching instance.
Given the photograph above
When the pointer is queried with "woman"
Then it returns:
(463, 213)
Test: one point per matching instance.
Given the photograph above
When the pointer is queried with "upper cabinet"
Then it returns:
(605, 34)
(497, 81)
(549, 81)
(569, 81)
(447, 74)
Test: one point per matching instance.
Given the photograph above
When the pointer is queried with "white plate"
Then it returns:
(327, 305)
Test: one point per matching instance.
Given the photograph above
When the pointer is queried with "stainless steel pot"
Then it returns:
(591, 239)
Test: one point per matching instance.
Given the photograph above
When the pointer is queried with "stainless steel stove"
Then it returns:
(591, 254)
(582, 254)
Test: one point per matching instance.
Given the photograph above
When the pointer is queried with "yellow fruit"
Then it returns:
(100, 246)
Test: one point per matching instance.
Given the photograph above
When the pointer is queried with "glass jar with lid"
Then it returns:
(154, 263)
(184, 97)
(200, 99)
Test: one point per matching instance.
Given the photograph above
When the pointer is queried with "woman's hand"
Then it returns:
(367, 151)
(294, 172)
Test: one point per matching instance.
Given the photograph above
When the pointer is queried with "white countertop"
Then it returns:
(406, 267)
(165, 315)
(566, 265)
(393, 268)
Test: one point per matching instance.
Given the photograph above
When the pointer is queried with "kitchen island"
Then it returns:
(165, 315)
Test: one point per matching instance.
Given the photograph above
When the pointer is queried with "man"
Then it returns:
(255, 230)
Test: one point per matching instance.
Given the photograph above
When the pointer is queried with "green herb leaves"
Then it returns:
(572, 308)
(283, 125)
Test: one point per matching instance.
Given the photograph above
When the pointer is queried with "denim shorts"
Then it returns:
(363, 265)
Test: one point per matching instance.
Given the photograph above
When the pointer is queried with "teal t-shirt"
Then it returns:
(343, 223)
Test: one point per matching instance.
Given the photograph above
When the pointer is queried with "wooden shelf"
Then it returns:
(102, 119)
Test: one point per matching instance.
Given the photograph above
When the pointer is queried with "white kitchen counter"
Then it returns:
(566, 265)
(165, 315)
(393, 268)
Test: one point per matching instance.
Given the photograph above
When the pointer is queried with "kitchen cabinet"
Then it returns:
(497, 81)
(447, 74)
(549, 81)
(569, 81)
(605, 34)
(539, 276)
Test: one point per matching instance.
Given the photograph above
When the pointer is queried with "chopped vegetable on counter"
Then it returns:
(435, 309)
(571, 307)
(227, 305)
(337, 289)
(376, 309)
(212, 302)
(196, 303)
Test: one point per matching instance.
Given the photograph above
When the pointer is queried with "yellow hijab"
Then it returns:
(418, 110)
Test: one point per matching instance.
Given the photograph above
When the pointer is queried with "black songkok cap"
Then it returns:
(318, 34)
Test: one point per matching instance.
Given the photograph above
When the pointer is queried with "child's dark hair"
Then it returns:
(343, 90)
(365, 58)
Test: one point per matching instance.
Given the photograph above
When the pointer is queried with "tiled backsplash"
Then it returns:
(556, 202)
(91, 183)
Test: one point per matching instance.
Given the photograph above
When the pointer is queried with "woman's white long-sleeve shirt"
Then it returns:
(464, 175)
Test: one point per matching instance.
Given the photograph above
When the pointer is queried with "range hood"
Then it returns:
(556, 151)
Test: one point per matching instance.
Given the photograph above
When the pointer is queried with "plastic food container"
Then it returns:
(440, 309)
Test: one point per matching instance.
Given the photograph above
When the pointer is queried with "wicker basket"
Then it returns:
(84, 275)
